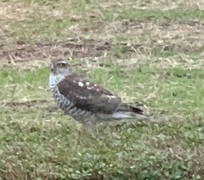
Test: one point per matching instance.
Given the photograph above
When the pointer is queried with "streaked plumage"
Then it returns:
(85, 101)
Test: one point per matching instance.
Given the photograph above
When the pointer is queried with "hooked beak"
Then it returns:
(52, 69)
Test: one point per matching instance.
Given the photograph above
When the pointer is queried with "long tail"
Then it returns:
(136, 110)
(131, 113)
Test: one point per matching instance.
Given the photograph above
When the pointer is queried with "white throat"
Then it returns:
(54, 80)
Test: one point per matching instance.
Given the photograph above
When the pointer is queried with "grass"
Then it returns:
(48, 144)
(149, 53)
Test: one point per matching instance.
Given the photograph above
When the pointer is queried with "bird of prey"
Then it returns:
(87, 102)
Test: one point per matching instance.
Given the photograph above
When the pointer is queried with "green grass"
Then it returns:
(155, 59)
(155, 15)
(38, 143)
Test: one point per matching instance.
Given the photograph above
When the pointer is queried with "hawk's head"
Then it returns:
(59, 70)
(60, 67)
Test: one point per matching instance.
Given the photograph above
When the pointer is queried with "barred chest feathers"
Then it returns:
(64, 103)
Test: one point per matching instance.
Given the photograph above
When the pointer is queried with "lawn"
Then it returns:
(151, 53)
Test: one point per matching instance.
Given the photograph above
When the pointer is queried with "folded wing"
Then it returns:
(90, 97)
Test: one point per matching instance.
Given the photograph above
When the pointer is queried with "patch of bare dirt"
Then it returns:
(26, 103)
(74, 48)
(182, 37)
(15, 105)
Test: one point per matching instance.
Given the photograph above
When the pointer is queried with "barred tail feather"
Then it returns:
(136, 110)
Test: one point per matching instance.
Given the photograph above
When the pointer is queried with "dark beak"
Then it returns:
(52, 68)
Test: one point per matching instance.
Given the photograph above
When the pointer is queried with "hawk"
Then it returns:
(86, 101)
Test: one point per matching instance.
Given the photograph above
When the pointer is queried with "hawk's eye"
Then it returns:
(61, 65)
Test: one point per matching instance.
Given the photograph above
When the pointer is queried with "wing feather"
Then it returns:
(89, 96)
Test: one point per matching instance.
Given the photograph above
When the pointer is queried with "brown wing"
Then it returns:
(89, 96)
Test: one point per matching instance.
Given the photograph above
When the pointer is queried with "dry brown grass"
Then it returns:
(141, 37)
(138, 49)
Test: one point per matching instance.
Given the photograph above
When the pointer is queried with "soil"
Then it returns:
(74, 48)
